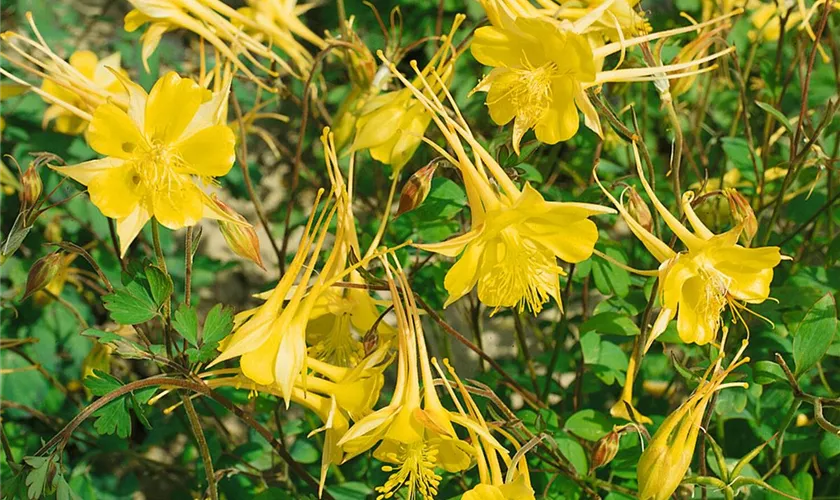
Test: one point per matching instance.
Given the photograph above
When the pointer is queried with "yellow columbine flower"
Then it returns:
(99, 72)
(516, 484)
(278, 20)
(154, 154)
(74, 88)
(342, 316)
(414, 431)
(542, 67)
(516, 237)
(337, 395)
(713, 272)
(391, 125)
(214, 21)
(668, 456)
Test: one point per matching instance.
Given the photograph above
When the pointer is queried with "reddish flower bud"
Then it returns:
(240, 236)
(42, 272)
(31, 187)
(638, 209)
(605, 450)
(417, 188)
(742, 213)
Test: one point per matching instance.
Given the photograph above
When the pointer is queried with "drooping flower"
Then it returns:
(73, 88)
(214, 21)
(414, 431)
(714, 271)
(342, 317)
(391, 125)
(542, 67)
(511, 252)
(155, 154)
(336, 394)
(516, 484)
(668, 456)
(278, 20)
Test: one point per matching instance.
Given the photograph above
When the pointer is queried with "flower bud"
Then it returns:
(42, 272)
(417, 188)
(240, 236)
(605, 450)
(742, 213)
(638, 209)
(31, 187)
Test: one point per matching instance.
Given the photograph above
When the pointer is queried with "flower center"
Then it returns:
(416, 469)
(157, 167)
(715, 293)
(336, 345)
(531, 94)
(519, 274)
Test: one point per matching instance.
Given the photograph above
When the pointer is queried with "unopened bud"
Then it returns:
(31, 187)
(417, 188)
(240, 236)
(638, 209)
(605, 450)
(42, 272)
(742, 213)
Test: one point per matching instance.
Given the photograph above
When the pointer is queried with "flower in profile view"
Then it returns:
(100, 72)
(516, 484)
(414, 433)
(714, 271)
(511, 251)
(73, 88)
(668, 456)
(155, 155)
(543, 65)
(391, 125)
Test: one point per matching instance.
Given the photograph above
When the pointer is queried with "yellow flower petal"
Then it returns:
(463, 275)
(484, 492)
(85, 62)
(209, 152)
(112, 133)
(115, 191)
(696, 322)
(453, 246)
(178, 207)
(172, 104)
(560, 122)
(85, 172)
(258, 364)
(129, 227)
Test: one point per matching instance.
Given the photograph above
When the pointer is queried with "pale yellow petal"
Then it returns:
(115, 191)
(209, 152)
(463, 275)
(172, 104)
(85, 172)
(453, 246)
(112, 133)
(179, 206)
(129, 227)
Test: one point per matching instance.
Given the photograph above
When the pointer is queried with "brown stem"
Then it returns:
(195, 424)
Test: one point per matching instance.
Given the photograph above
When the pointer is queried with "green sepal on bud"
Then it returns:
(31, 188)
(605, 450)
(417, 188)
(742, 213)
(241, 237)
(638, 209)
(42, 272)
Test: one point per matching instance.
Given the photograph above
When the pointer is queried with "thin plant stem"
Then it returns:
(198, 432)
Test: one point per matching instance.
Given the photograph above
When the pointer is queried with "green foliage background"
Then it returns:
(575, 364)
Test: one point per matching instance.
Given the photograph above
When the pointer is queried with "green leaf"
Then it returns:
(203, 354)
(160, 283)
(590, 344)
(804, 484)
(611, 323)
(350, 491)
(185, 322)
(609, 278)
(304, 452)
(131, 304)
(62, 489)
(36, 480)
(814, 334)
(218, 324)
(830, 445)
(738, 152)
(574, 452)
(776, 114)
(101, 383)
(588, 424)
(113, 418)
(767, 372)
